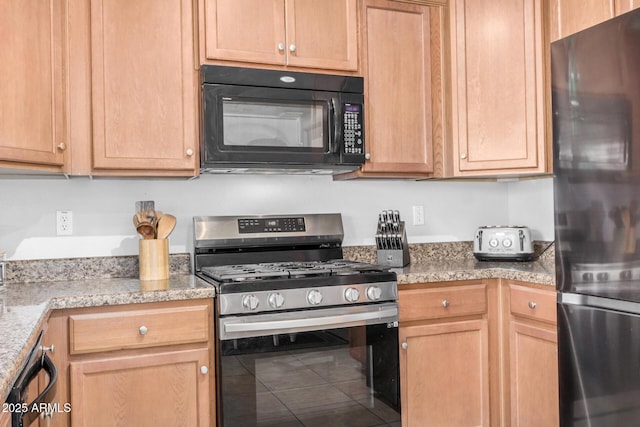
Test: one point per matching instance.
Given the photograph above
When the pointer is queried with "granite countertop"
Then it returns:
(31, 293)
(27, 305)
(425, 271)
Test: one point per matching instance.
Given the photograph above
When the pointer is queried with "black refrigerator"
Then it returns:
(595, 82)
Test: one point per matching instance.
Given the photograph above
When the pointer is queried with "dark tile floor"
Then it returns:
(323, 388)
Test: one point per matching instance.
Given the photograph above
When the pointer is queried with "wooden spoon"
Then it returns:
(165, 226)
(145, 229)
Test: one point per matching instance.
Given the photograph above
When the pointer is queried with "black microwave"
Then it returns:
(256, 120)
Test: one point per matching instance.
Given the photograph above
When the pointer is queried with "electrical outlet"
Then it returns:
(64, 223)
(418, 215)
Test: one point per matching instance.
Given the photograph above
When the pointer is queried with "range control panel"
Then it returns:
(271, 225)
(352, 128)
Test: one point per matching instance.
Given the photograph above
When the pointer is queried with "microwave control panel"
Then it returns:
(352, 128)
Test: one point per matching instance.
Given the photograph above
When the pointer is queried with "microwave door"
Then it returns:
(247, 125)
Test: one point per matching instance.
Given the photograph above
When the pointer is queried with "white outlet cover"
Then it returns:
(64, 223)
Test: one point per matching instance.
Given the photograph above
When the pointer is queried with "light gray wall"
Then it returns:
(103, 208)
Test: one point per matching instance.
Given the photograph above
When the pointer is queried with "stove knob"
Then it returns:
(352, 294)
(250, 302)
(276, 300)
(314, 297)
(507, 243)
(493, 243)
(374, 293)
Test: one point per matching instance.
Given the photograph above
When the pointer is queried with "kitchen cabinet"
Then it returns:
(296, 33)
(148, 364)
(444, 356)
(571, 16)
(499, 88)
(33, 108)
(143, 86)
(533, 356)
(403, 65)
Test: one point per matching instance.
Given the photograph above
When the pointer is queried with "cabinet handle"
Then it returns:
(281, 47)
(50, 349)
(189, 152)
(62, 146)
(405, 345)
(292, 48)
(204, 370)
(532, 305)
(367, 156)
(445, 303)
(463, 156)
(143, 330)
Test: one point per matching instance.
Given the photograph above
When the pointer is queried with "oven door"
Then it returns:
(303, 368)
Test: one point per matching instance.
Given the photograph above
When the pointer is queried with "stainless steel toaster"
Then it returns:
(507, 243)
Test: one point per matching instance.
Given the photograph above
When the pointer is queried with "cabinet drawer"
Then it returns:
(533, 303)
(152, 327)
(421, 304)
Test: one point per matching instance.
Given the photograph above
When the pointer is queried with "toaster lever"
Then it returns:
(480, 239)
(521, 233)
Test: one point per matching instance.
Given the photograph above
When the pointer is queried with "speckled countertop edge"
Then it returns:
(27, 306)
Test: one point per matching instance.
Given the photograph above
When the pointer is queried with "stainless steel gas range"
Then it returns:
(302, 334)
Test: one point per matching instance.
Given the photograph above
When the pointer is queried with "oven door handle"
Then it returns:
(231, 329)
(46, 396)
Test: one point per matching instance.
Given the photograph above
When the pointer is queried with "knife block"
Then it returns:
(154, 259)
(395, 257)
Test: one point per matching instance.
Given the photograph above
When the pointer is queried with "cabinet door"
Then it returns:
(444, 374)
(403, 86)
(533, 375)
(32, 88)
(498, 86)
(143, 85)
(245, 30)
(623, 6)
(571, 16)
(162, 389)
(322, 34)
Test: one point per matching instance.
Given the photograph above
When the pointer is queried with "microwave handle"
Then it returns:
(333, 113)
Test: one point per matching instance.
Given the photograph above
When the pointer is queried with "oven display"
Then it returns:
(271, 225)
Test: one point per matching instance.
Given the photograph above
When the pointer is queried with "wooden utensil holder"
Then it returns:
(154, 259)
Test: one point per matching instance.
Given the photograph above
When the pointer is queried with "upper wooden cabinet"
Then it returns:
(403, 71)
(498, 87)
(571, 16)
(33, 131)
(298, 33)
(143, 87)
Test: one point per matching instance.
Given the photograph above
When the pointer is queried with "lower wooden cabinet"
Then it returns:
(5, 419)
(444, 356)
(443, 365)
(480, 354)
(159, 388)
(533, 357)
(137, 364)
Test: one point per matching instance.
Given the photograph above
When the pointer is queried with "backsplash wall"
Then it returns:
(103, 208)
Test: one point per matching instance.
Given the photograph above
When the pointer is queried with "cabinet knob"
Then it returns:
(62, 146)
(189, 152)
(143, 330)
(445, 303)
(281, 46)
(292, 48)
(405, 345)
(204, 370)
(532, 305)
(367, 156)
(50, 349)
(463, 156)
